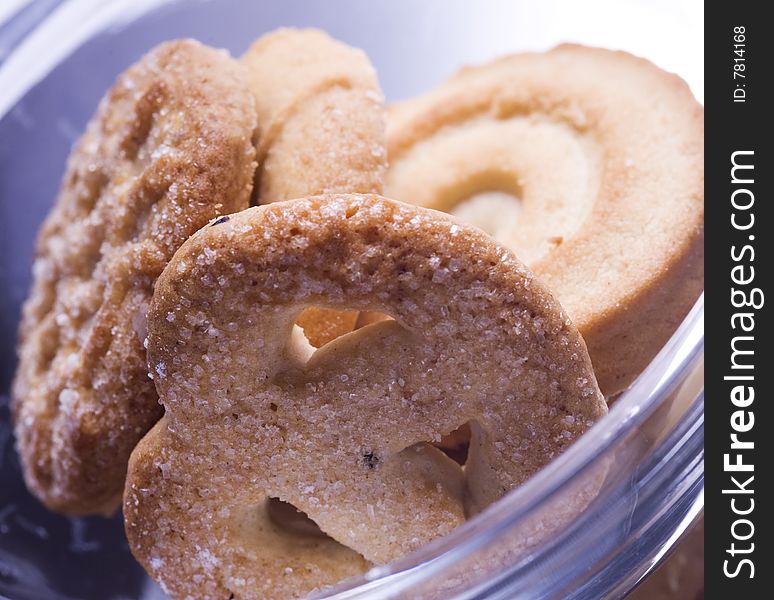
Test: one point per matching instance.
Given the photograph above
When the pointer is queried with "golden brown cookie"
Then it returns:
(604, 153)
(321, 126)
(168, 149)
(342, 433)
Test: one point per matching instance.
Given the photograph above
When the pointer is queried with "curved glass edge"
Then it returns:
(18, 18)
(670, 497)
(622, 535)
(70, 24)
(680, 363)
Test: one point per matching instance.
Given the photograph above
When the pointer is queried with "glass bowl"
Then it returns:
(646, 457)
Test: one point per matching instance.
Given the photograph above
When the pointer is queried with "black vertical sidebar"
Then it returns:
(739, 432)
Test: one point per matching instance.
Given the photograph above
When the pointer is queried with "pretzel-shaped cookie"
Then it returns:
(168, 150)
(605, 153)
(321, 125)
(344, 432)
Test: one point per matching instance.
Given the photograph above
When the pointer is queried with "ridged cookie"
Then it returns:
(168, 150)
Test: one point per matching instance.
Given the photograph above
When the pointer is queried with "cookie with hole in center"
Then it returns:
(589, 164)
(344, 433)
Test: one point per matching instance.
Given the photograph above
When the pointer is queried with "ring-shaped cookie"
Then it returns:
(605, 153)
(343, 433)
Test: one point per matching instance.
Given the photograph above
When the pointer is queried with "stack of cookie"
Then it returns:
(286, 394)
